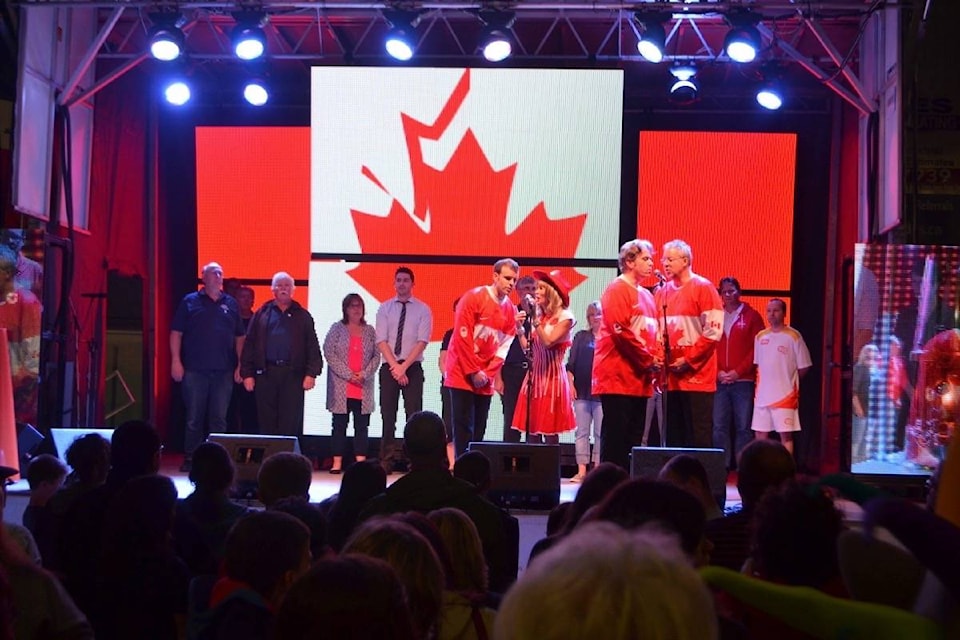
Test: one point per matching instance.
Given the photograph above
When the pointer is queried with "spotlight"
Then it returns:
(166, 38)
(177, 92)
(248, 39)
(495, 41)
(743, 40)
(255, 92)
(684, 89)
(399, 43)
(653, 39)
(770, 97)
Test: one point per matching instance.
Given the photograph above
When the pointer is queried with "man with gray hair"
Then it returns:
(206, 337)
(281, 359)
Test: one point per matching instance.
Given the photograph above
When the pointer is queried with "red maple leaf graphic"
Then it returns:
(463, 207)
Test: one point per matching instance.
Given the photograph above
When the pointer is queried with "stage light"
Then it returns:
(742, 43)
(255, 92)
(400, 42)
(653, 38)
(248, 39)
(770, 97)
(495, 40)
(177, 92)
(166, 38)
(399, 45)
(684, 89)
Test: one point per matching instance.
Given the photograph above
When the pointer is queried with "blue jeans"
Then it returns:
(206, 395)
(732, 403)
(588, 412)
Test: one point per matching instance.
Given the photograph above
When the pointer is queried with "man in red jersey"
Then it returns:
(484, 324)
(626, 354)
(691, 319)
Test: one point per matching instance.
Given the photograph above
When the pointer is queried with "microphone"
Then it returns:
(529, 304)
(659, 276)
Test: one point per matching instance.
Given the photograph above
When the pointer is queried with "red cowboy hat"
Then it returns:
(556, 280)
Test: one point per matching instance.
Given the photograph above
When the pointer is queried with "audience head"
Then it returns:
(361, 481)
(212, 470)
(639, 502)
(134, 450)
(688, 473)
(350, 596)
(312, 517)
(558, 518)
(762, 464)
(602, 581)
(468, 570)
(473, 467)
(414, 561)
(267, 550)
(597, 485)
(45, 476)
(795, 532)
(284, 475)
(425, 441)
(431, 534)
(89, 456)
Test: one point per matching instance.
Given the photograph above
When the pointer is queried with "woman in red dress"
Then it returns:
(550, 402)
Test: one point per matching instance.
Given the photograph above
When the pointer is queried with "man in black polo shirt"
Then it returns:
(206, 337)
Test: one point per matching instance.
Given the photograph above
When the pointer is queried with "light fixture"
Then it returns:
(770, 97)
(166, 38)
(684, 89)
(248, 39)
(652, 41)
(400, 42)
(255, 92)
(176, 92)
(495, 41)
(742, 43)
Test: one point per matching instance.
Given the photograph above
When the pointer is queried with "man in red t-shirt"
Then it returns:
(692, 320)
(626, 354)
(484, 324)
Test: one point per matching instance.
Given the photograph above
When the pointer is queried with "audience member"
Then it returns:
(209, 508)
(312, 517)
(348, 597)
(558, 517)
(414, 561)
(474, 467)
(635, 503)
(284, 475)
(142, 583)
(762, 464)
(688, 473)
(45, 476)
(430, 486)
(134, 451)
(18, 535)
(362, 481)
(35, 605)
(265, 553)
(602, 581)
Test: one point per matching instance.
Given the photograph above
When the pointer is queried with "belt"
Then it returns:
(278, 363)
(519, 365)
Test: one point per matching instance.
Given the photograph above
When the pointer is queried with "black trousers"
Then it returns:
(689, 419)
(622, 428)
(390, 392)
(512, 375)
(469, 411)
(279, 392)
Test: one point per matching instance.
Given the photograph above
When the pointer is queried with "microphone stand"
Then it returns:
(664, 387)
(528, 354)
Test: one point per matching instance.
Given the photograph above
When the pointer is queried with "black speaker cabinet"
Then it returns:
(248, 451)
(523, 476)
(646, 462)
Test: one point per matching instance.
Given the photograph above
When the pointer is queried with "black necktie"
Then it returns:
(403, 318)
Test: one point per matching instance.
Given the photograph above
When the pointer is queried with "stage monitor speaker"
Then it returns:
(646, 462)
(248, 451)
(522, 476)
(64, 437)
(28, 439)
